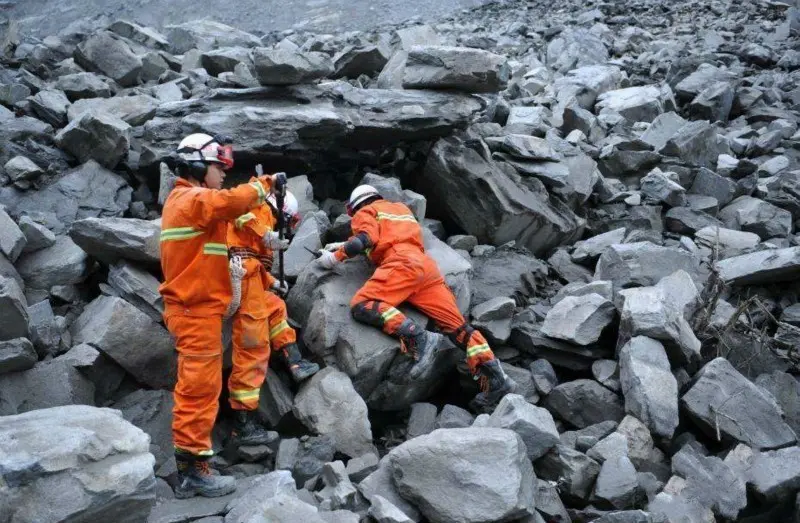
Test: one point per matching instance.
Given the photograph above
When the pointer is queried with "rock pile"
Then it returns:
(611, 190)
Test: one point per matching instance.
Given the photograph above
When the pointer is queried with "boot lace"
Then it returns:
(410, 348)
(203, 468)
(483, 384)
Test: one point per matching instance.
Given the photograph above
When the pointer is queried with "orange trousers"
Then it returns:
(414, 277)
(251, 348)
(199, 343)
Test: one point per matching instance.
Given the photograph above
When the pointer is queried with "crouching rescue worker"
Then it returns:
(197, 292)
(261, 322)
(390, 236)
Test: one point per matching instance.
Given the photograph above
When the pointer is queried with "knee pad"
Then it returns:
(367, 312)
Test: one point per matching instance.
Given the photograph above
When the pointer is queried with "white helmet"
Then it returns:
(291, 208)
(201, 147)
(359, 195)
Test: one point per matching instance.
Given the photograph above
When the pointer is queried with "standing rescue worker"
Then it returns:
(390, 236)
(197, 292)
(261, 322)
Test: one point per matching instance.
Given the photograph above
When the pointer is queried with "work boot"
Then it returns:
(301, 369)
(195, 478)
(248, 431)
(420, 344)
(495, 384)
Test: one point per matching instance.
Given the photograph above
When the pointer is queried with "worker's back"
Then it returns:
(392, 228)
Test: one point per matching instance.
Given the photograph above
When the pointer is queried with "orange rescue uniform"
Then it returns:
(405, 273)
(197, 292)
(261, 321)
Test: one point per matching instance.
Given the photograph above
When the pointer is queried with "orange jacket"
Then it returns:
(390, 226)
(194, 253)
(244, 238)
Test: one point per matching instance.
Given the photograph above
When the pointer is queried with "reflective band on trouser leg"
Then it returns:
(379, 314)
(250, 359)
(281, 333)
(179, 233)
(478, 351)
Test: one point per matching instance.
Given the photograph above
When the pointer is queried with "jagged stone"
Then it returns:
(223, 60)
(51, 106)
(114, 326)
(16, 355)
(151, 411)
(544, 376)
(422, 420)
(146, 36)
(606, 372)
(713, 103)
(588, 251)
(138, 287)
(659, 187)
(695, 144)
(380, 483)
(579, 320)
(770, 266)
(48, 384)
(133, 110)
(89, 462)
(106, 375)
(12, 240)
(642, 263)
(575, 48)
(686, 221)
(704, 77)
(21, 169)
(534, 425)
(757, 216)
(45, 331)
(786, 391)
(494, 317)
(574, 471)
(37, 236)
(723, 400)
(206, 34)
(582, 403)
(106, 53)
(78, 86)
(353, 61)
(617, 484)
(494, 461)
(453, 417)
(709, 183)
(328, 404)
(384, 511)
(637, 104)
(460, 68)
(96, 136)
(112, 239)
(281, 67)
(563, 265)
(63, 263)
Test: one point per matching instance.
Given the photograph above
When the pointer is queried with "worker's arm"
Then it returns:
(365, 231)
(210, 205)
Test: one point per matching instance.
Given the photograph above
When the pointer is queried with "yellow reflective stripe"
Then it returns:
(216, 249)
(262, 194)
(389, 314)
(477, 349)
(241, 220)
(277, 329)
(368, 252)
(179, 233)
(245, 394)
(396, 217)
(208, 452)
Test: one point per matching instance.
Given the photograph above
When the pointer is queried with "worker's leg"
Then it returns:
(283, 339)
(251, 352)
(199, 345)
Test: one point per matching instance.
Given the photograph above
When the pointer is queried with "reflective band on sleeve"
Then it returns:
(389, 314)
(477, 349)
(368, 252)
(245, 394)
(179, 233)
(241, 220)
(262, 194)
(216, 249)
(396, 217)
(277, 329)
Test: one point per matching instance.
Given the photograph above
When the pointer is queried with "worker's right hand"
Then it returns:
(333, 247)
(327, 260)
(279, 180)
(273, 241)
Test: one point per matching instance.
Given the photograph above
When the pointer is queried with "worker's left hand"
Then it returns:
(273, 241)
(281, 288)
(327, 260)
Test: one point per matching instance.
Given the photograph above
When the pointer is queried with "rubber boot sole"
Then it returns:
(205, 492)
(429, 353)
(484, 402)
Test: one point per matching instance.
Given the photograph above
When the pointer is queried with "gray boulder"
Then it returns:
(92, 464)
(493, 318)
(12, 240)
(138, 287)
(534, 425)
(48, 384)
(384, 511)
(453, 417)
(642, 263)
(206, 34)
(89, 190)
(503, 272)
(328, 404)
(96, 136)
(64, 263)
(134, 110)
(775, 475)
(713, 103)
(112, 239)
(769, 266)
(649, 388)
(750, 214)
(459, 68)
(709, 183)
(146, 36)
(544, 376)
(617, 485)
(102, 372)
(574, 48)
(16, 355)
(106, 53)
(223, 60)
(704, 77)
(114, 326)
(310, 235)
(151, 411)
(589, 250)
(282, 67)
(659, 187)
(786, 391)
(78, 86)
(695, 144)
(22, 170)
(637, 104)
(579, 320)
(45, 331)
(381, 483)
(662, 129)
(51, 106)
(422, 420)
(653, 312)
(582, 403)
(353, 61)
(493, 461)
(723, 401)
(37, 236)
(511, 211)
(575, 472)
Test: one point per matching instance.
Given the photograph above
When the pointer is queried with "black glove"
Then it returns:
(280, 180)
